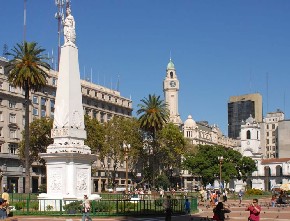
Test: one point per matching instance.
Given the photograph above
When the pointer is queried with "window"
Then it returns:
(1, 132)
(116, 100)
(273, 133)
(0, 101)
(12, 134)
(88, 92)
(12, 104)
(12, 118)
(102, 117)
(248, 134)
(52, 102)
(267, 126)
(267, 134)
(12, 148)
(11, 88)
(35, 112)
(43, 101)
(109, 117)
(53, 93)
(103, 96)
(96, 94)
(35, 99)
(43, 113)
(1, 69)
(23, 120)
(1, 116)
(54, 81)
(1, 85)
(94, 114)
(267, 141)
(109, 98)
(273, 126)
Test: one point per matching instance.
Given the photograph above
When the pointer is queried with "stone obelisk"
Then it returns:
(68, 160)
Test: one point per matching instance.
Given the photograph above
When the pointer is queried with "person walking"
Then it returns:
(5, 197)
(187, 206)
(255, 211)
(219, 212)
(240, 196)
(168, 208)
(86, 209)
(3, 214)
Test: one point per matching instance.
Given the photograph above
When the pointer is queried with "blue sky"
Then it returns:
(219, 48)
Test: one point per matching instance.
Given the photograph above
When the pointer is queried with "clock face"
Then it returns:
(172, 83)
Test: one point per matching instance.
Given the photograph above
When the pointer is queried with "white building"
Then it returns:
(269, 171)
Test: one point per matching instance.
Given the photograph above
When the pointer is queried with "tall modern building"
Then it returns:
(241, 108)
(98, 102)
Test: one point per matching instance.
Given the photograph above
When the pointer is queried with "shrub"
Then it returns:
(34, 205)
(19, 205)
(49, 207)
(126, 206)
(159, 202)
(73, 207)
(254, 192)
(103, 206)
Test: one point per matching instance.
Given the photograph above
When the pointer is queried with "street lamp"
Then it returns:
(126, 148)
(220, 158)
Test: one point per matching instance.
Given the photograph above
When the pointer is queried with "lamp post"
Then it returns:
(126, 148)
(220, 158)
(1, 176)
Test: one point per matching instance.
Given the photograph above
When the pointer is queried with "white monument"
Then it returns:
(68, 160)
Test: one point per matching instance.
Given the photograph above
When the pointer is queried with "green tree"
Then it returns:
(27, 70)
(95, 134)
(39, 138)
(205, 164)
(172, 146)
(154, 114)
(118, 131)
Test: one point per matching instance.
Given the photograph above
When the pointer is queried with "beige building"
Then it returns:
(269, 134)
(99, 102)
(240, 108)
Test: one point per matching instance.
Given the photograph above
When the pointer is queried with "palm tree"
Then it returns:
(154, 115)
(27, 70)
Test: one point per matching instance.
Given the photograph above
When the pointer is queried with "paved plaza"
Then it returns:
(205, 213)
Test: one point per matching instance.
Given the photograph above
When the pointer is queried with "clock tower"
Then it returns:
(171, 88)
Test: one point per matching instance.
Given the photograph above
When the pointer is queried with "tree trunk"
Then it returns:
(26, 150)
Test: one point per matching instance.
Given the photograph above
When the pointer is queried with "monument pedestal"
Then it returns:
(68, 179)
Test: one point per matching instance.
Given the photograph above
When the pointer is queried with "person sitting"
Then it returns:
(219, 212)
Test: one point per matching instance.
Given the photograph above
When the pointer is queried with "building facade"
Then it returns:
(98, 102)
(269, 134)
(240, 108)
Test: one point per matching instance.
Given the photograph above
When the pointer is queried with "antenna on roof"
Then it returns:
(24, 22)
(267, 91)
(118, 83)
(59, 16)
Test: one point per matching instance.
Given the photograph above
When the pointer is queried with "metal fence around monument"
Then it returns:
(103, 207)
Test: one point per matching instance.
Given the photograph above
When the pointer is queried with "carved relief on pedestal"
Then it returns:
(55, 181)
(59, 132)
(76, 120)
(82, 178)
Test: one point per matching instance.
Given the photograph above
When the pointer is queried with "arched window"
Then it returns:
(248, 134)
(279, 171)
(267, 171)
(171, 74)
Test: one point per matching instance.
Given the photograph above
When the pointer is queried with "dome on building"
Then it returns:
(250, 120)
(170, 65)
(189, 122)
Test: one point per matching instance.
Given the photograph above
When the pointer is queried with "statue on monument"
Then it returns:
(69, 28)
